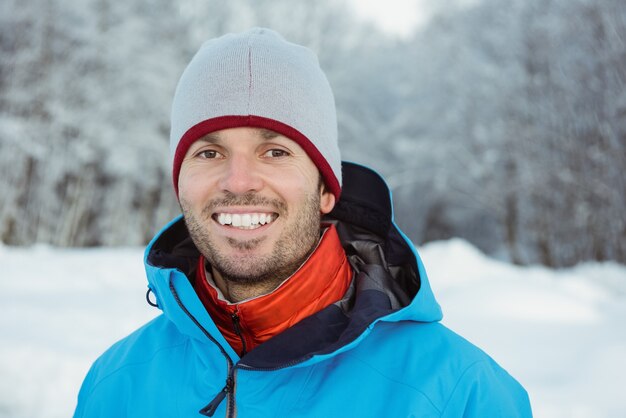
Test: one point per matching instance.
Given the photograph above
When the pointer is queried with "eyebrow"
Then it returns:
(268, 134)
(212, 138)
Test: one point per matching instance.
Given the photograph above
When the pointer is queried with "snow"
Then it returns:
(559, 332)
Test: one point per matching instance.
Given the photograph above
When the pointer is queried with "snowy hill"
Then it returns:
(560, 333)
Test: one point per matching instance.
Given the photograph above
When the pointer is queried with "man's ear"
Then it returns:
(327, 200)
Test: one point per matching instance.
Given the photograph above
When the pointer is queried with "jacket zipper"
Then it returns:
(227, 390)
(229, 387)
(237, 326)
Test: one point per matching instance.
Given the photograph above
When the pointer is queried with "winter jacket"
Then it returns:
(378, 352)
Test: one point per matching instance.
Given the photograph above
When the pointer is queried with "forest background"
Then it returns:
(500, 122)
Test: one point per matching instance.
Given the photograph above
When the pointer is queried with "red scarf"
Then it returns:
(322, 280)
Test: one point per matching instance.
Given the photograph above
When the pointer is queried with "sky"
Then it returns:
(398, 17)
(401, 17)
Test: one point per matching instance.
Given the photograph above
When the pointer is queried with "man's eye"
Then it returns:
(275, 153)
(208, 154)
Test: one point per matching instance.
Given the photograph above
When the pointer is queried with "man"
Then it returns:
(286, 288)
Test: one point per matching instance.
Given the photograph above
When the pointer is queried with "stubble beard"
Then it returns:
(292, 248)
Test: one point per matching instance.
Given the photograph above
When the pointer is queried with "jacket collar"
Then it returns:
(322, 280)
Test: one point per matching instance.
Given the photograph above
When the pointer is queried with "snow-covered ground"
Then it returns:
(561, 333)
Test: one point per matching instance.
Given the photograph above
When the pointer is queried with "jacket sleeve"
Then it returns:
(93, 403)
(83, 395)
(487, 390)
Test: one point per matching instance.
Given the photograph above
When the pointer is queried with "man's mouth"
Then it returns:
(251, 220)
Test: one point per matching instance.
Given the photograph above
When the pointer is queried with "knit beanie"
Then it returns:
(257, 79)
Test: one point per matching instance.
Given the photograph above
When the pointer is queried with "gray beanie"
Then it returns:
(257, 79)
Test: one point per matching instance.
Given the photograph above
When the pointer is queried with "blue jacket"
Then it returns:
(379, 352)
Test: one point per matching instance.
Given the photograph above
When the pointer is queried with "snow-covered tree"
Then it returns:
(500, 121)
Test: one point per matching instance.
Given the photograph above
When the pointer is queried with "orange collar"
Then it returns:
(322, 280)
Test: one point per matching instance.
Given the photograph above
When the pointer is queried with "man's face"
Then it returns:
(252, 201)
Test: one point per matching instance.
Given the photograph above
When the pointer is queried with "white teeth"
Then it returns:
(245, 220)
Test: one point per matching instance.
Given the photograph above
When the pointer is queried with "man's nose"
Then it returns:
(241, 175)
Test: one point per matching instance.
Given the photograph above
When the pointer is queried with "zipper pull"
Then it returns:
(210, 409)
(237, 326)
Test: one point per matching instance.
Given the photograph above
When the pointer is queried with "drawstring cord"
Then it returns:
(155, 303)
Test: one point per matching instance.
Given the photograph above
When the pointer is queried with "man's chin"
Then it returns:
(242, 267)
(245, 247)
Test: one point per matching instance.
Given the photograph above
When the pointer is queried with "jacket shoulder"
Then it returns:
(459, 378)
(133, 358)
(140, 346)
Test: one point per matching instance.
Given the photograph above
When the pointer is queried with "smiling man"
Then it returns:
(251, 199)
(286, 288)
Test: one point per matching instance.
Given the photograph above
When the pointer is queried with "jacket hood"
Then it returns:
(390, 282)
